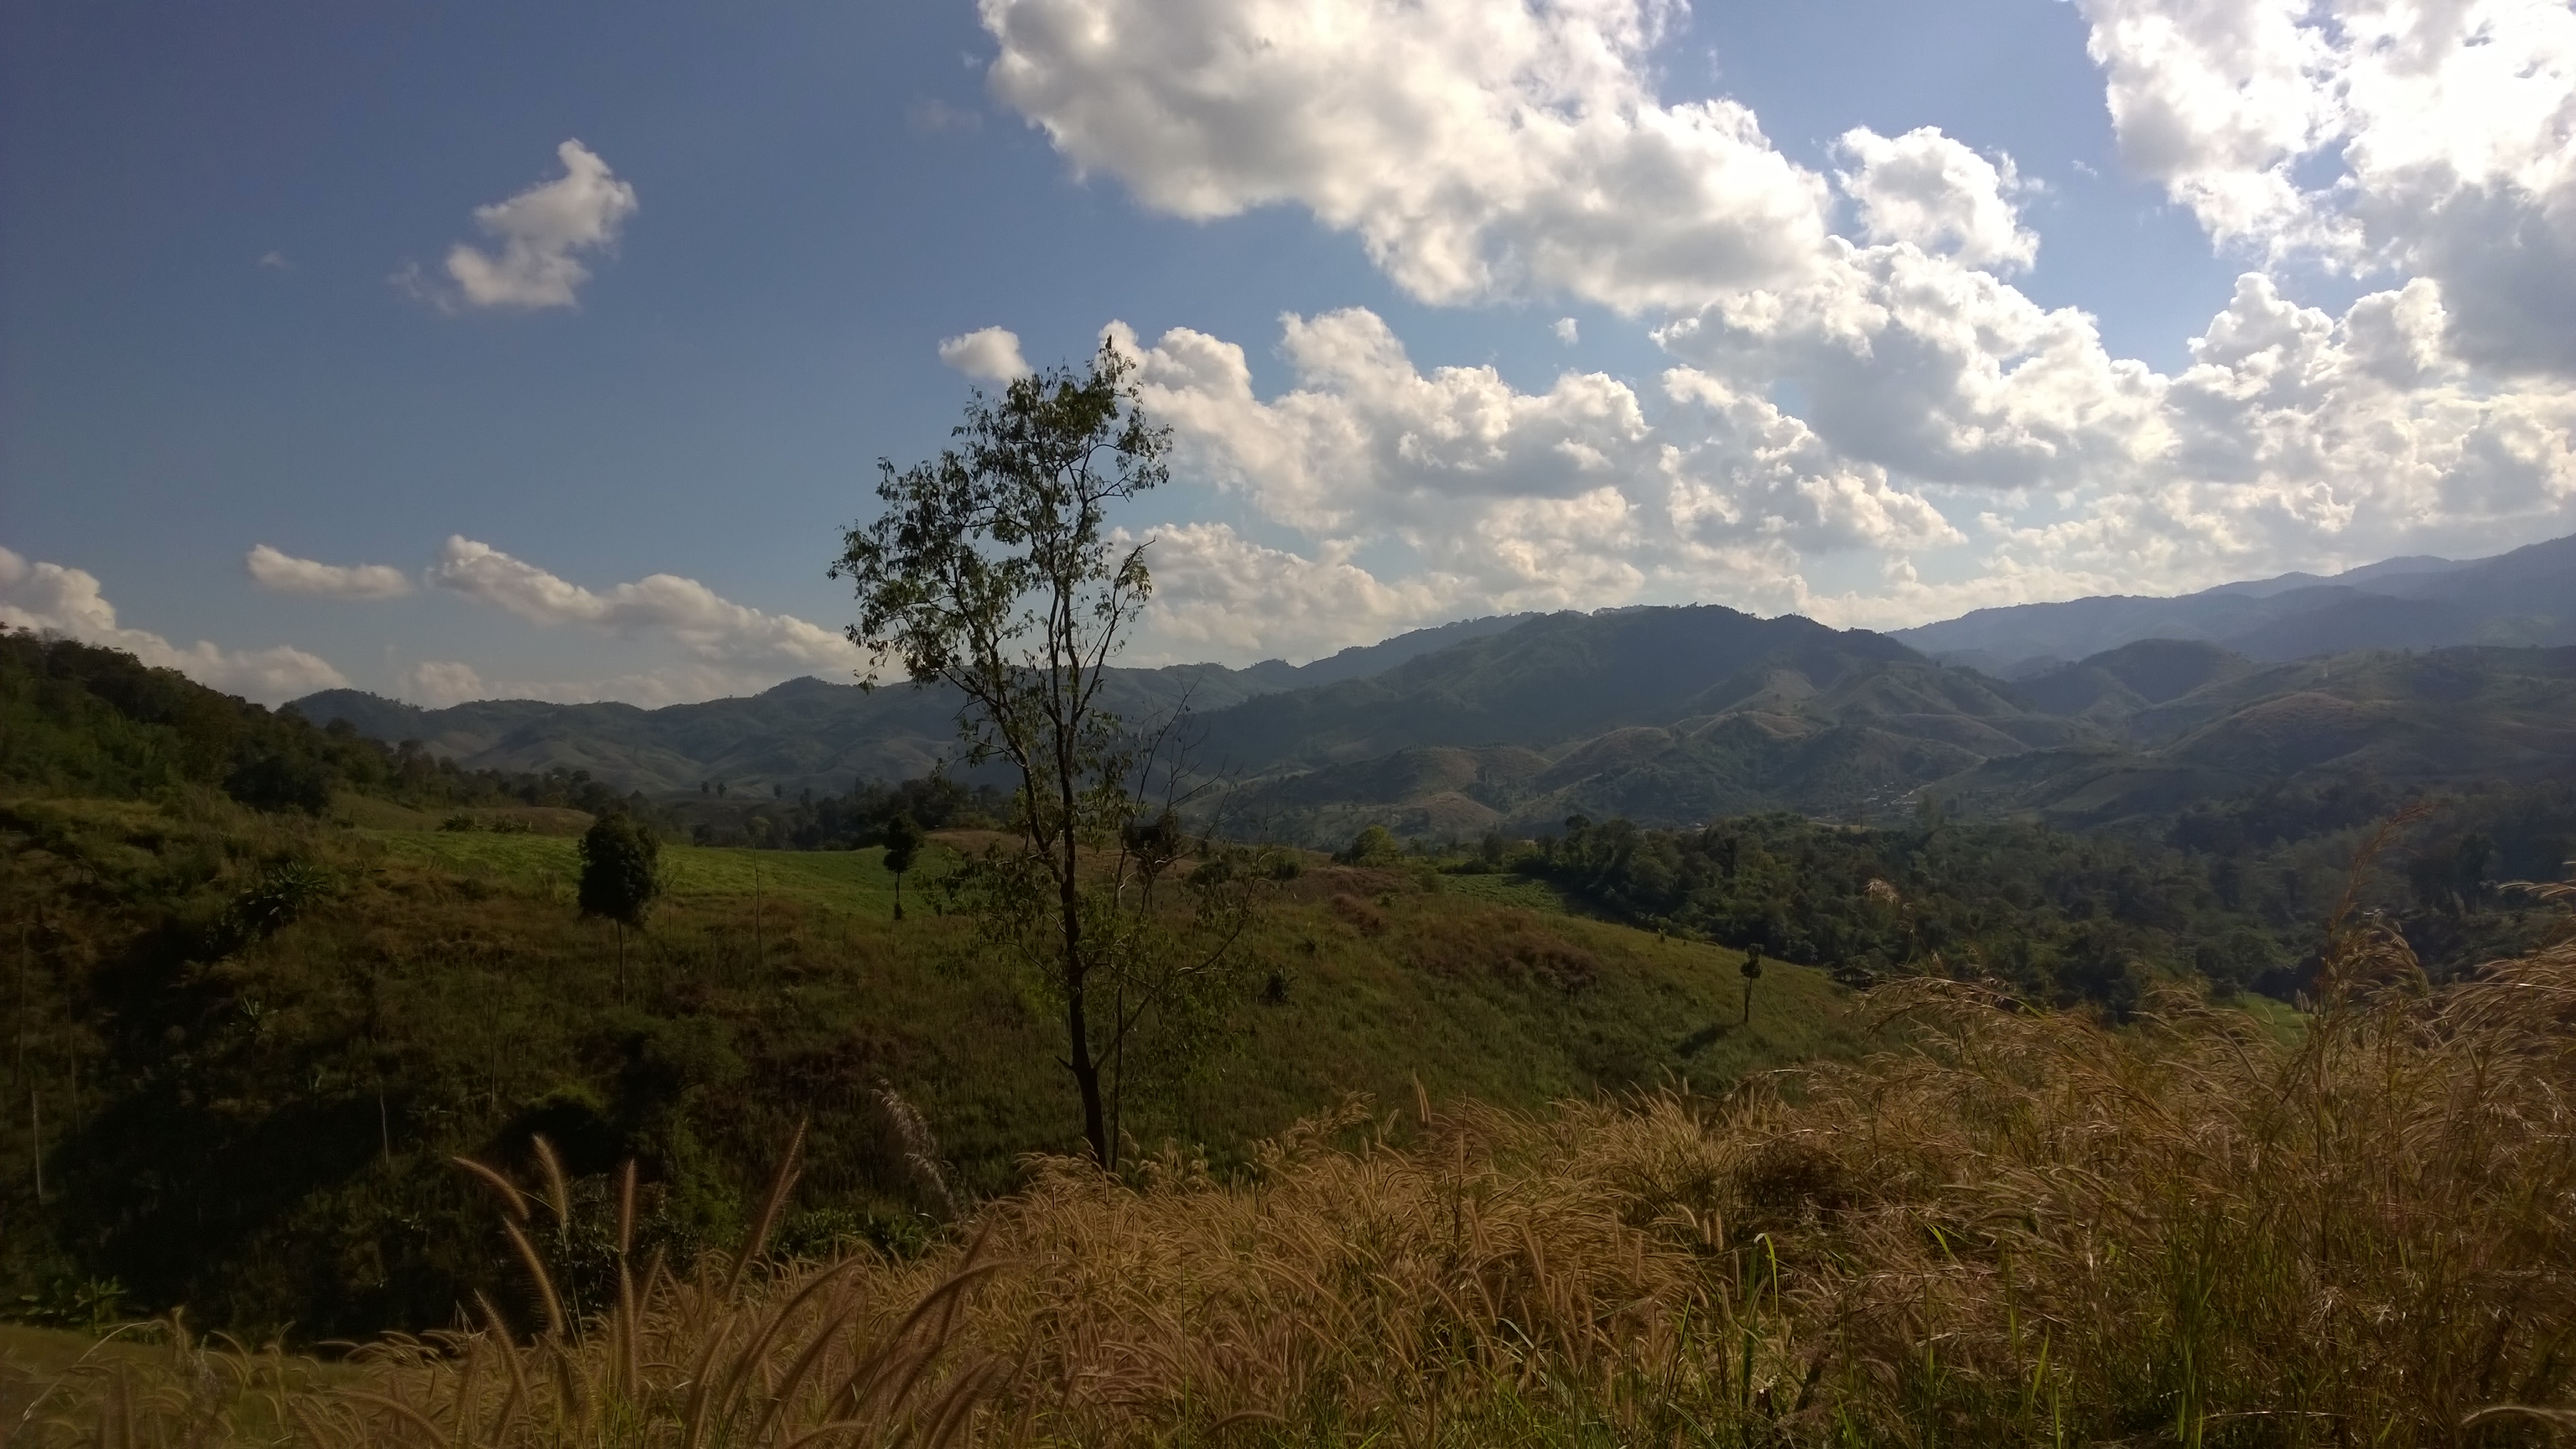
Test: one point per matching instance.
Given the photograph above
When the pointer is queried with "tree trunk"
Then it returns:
(1086, 1068)
(1748, 1001)
(898, 895)
(621, 963)
(1086, 1080)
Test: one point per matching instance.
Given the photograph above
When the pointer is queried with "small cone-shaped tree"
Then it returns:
(620, 876)
(904, 838)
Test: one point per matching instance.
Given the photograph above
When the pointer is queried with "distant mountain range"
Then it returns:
(808, 732)
(1677, 715)
(2526, 597)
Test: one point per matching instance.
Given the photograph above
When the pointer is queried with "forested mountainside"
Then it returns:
(806, 733)
(1667, 717)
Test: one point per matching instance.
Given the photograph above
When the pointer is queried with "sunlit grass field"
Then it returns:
(845, 880)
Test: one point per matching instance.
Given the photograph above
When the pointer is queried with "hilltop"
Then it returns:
(2523, 598)
(806, 733)
(1666, 716)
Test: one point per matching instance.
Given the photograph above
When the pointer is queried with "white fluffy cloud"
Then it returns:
(1750, 471)
(744, 644)
(2432, 137)
(287, 574)
(542, 232)
(1830, 390)
(1219, 595)
(1937, 371)
(1504, 499)
(990, 354)
(51, 597)
(1925, 188)
(1476, 148)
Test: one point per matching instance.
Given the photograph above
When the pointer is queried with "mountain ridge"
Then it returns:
(2526, 597)
(1676, 715)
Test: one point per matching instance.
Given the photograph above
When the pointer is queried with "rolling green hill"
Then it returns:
(259, 1125)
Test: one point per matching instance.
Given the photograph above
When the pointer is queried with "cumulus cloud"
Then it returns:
(1476, 149)
(543, 231)
(286, 574)
(1219, 595)
(2432, 139)
(1752, 471)
(1925, 188)
(1504, 499)
(745, 643)
(1568, 331)
(1882, 391)
(989, 354)
(1937, 371)
(52, 598)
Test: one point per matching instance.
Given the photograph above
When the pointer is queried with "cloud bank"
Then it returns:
(731, 648)
(2423, 139)
(52, 598)
(1855, 383)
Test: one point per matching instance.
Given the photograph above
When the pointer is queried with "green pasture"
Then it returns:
(1509, 890)
(846, 880)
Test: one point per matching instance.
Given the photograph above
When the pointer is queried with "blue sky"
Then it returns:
(1878, 375)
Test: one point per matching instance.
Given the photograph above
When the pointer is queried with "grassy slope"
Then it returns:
(266, 1138)
(1482, 987)
(852, 880)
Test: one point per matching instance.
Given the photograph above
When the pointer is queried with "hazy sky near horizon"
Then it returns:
(477, 349)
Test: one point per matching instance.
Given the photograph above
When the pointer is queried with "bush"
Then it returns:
(1373, 846)
(281, 782)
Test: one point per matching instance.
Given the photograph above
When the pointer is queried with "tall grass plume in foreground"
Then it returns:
(2021, 1228)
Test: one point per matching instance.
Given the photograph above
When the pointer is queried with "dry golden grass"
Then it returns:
(2030, 1230)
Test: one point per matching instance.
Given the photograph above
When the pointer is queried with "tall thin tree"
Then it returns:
(994, 569)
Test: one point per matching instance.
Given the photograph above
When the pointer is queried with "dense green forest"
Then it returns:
(2237, 893)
